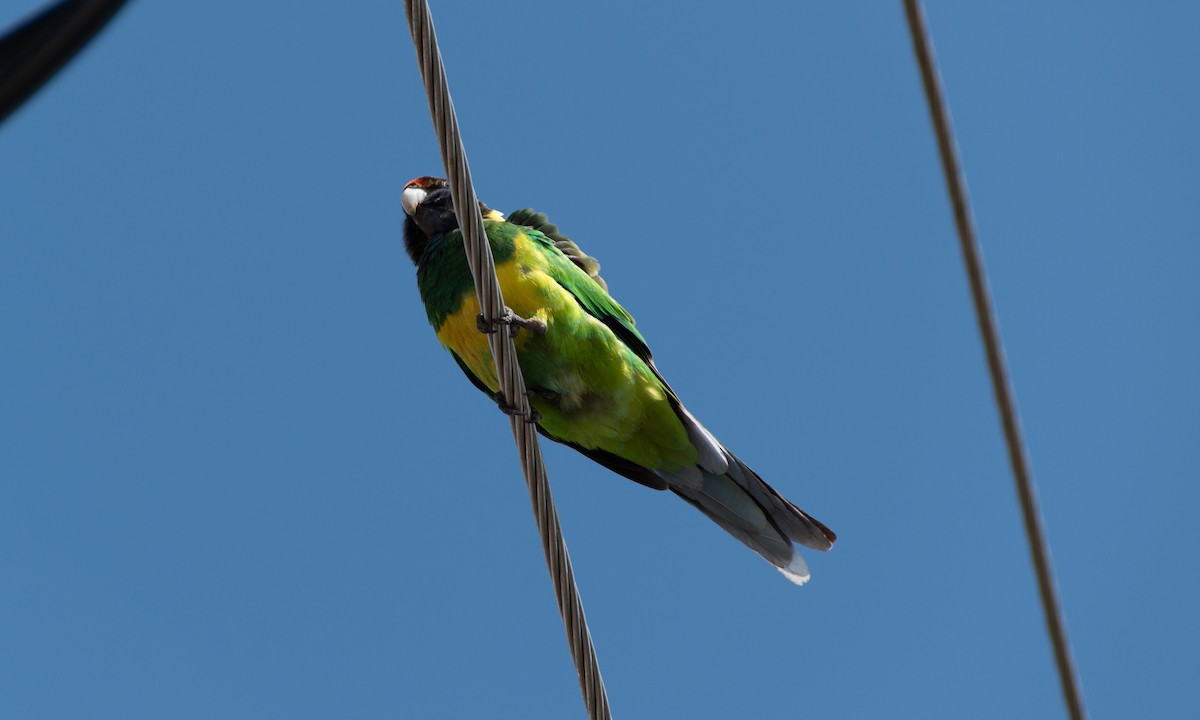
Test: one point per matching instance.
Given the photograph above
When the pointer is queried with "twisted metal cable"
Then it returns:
(508, 372)
(1001, 386)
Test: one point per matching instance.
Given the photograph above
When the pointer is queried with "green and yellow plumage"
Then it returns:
(590, 374)
(588, 385)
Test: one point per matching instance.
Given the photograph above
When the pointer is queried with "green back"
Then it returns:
(444, 279)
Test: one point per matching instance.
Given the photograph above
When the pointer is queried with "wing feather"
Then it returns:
(596, 301)
(538, 221)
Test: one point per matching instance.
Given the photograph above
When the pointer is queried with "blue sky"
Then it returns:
(240, 479)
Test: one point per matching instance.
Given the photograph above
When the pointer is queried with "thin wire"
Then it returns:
(972, 258)
(508, 372)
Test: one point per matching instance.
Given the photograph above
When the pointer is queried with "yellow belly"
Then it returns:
(528, 292)
(600, 394)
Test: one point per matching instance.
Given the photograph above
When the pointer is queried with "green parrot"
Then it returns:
(589, 372)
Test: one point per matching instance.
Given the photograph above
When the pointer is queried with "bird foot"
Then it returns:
(532, 416)
(537, 326)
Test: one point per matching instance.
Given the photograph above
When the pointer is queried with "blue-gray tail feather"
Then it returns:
(752, 511)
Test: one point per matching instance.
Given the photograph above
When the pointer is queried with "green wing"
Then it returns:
(580, 279)
(576, 277)
(600, 305)
(538, 221)
(590, 294)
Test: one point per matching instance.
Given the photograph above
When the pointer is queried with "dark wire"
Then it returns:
(993, 348)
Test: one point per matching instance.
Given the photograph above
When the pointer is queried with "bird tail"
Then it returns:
(754, 512)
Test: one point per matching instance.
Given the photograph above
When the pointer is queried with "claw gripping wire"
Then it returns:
(532, 416)
(537, 326)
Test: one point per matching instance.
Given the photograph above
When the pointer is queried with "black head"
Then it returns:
(429, 210)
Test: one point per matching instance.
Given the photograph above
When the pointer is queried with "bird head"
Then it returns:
(429, 208)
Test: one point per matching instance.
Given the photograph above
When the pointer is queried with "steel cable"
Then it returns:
(508, 372)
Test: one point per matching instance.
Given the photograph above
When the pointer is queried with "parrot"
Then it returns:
(590, 376)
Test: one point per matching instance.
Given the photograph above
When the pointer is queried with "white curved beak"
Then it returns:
(411, 198)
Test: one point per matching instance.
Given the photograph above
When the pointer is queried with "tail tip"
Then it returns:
(796, 570)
